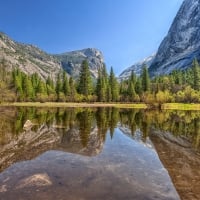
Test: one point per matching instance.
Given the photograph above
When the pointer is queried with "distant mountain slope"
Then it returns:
(182, 43)
(71, 61)
(31, 59)
(136, 68)
(28, 58)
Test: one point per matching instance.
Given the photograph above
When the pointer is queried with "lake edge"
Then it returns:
(164, 106)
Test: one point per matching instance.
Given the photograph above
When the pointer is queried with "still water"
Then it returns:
(99, 153)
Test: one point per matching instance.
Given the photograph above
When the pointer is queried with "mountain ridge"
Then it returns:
(182, 43)
(179, 47)
(31, 59)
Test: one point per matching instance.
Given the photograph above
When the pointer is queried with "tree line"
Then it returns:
(177, 122)
(178, 86)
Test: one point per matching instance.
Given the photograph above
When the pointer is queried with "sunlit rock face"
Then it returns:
(136, 67)
(71, 61)
(182, 43)
(31, 59)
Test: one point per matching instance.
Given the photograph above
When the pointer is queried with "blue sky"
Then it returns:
(125, 31)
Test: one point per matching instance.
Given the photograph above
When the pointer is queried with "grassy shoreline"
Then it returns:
(165, 106)
(180, 106)
(60, 104)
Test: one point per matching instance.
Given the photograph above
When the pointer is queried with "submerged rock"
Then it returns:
(28, 124)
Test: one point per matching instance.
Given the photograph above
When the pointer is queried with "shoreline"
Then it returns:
(74, 105)
(165, 106)
(180, 106)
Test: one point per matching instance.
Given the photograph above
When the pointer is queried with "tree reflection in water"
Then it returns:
(175, 135)
(179, 123)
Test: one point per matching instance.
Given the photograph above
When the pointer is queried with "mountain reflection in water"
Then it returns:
(99, 153)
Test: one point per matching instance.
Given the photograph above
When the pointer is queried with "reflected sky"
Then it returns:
(125, 169)
(98, 153)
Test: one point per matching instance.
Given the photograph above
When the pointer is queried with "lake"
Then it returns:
(99, 153)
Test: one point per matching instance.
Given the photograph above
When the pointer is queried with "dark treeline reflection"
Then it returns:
(180, 123)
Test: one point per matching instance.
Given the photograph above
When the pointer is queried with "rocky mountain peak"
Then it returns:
(31, 59)
(71, 61)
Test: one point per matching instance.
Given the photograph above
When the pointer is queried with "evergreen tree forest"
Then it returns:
(178, 86)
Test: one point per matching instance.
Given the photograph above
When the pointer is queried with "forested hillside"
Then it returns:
(178, 86)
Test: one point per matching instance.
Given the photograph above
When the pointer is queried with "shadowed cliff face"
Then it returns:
(182, 43)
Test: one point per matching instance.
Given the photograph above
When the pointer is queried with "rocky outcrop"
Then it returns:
(182, 43)
(71, 61)
(30, 59)
(27, 58)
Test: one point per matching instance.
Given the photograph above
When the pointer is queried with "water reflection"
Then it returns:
(180, 123)
(26, 133)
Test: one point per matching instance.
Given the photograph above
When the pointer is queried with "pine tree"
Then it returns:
(85, 80)
(50, 88)
(145, 79)
(138, 86)
(49, 82)
(28, 88)
(72, 90)
(17, 79)
(102, 84)
(133, 77)
(196, 74)
(114, 88)
(58, 86)
(105, 83)
(99, 86)
(65, 84)
(131, 91)
(123, 88)
(131, 86)
(41, 89)
(35, 80)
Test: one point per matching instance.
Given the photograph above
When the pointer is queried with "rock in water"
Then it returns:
(28, 124)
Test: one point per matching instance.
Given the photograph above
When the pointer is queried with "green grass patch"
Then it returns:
(180, 106)
(165, 106)
(58, 104)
